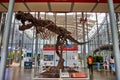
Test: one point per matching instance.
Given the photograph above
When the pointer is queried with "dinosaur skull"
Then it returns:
(24, 17)
(26, 20)
(19, 15)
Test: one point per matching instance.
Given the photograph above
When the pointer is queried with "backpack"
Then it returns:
(90, 60)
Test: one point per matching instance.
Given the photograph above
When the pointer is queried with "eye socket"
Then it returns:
(17, 16)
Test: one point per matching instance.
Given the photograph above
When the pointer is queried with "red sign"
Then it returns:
(70, 47)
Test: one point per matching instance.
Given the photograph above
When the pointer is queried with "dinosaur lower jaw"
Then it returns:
(21, 28)
(24, 27)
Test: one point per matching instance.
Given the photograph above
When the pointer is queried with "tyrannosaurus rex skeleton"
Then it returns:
(40, 25)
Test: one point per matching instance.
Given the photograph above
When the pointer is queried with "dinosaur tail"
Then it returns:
(75, 41)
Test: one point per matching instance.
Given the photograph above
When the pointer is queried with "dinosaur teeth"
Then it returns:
(26, 22)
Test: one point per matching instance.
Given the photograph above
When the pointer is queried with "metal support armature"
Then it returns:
(84, 46)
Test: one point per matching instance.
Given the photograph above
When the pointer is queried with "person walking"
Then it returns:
(90, 63)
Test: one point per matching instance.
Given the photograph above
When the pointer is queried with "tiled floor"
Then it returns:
(15, 73)
(103, 75)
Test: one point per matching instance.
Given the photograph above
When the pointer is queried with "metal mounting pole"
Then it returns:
(88, 44)
(84, 46)
(114, 38)
(66, 28)
(55, 20)
(6, 40)
(36, 47)
(21, 47)
(98, 39)
(36, 50)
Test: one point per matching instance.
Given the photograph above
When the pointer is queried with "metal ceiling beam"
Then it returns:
(72, 6)
(49, 6)
(95, 6)
(117, 7)
(4, 6)
(26, 5)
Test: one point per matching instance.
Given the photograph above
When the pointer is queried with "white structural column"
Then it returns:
(6, 40)
(115, 39)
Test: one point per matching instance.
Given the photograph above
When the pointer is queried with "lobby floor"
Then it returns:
(15, 73)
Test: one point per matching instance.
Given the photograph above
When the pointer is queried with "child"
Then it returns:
(106, 65)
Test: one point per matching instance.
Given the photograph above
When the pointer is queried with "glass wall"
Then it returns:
(91, 26)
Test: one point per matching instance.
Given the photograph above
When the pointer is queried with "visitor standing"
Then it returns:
(106, 63)
(98, 63)
(112, 64)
